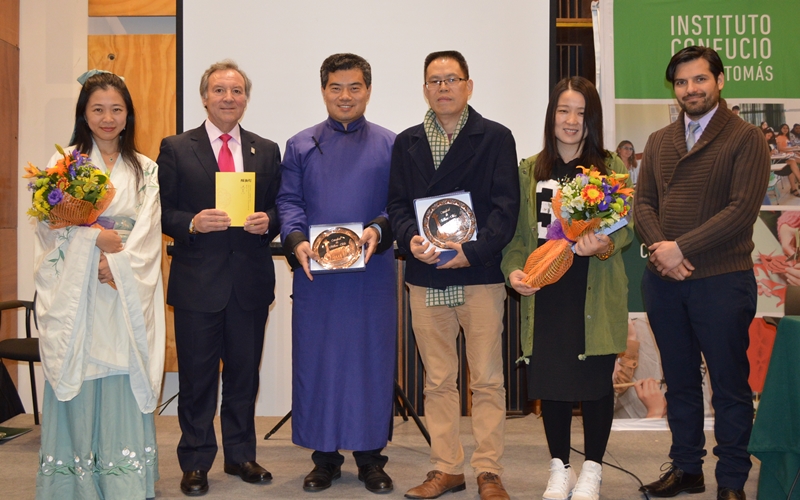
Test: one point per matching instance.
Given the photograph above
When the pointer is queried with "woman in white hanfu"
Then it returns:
(100, 307)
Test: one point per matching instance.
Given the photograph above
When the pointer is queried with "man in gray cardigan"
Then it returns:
(702, 181)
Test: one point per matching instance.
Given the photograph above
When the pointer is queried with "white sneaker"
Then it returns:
(588, 485)
(562, 480)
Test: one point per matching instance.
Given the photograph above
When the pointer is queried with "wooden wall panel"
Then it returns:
(107, 8)
(8, 288)
(170, 354)
(10, 171)
(148, 63)
(9, 22)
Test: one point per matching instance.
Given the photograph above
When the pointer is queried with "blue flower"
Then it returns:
(55, 197)
(609, 191)
(80, 160)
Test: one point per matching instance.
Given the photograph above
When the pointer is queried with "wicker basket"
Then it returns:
(74, 212)
(548, 263)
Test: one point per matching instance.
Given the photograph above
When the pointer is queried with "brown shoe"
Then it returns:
(490, 487)
(438, 483)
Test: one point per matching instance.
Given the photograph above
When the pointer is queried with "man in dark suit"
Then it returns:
(454, 149)
(221, 279)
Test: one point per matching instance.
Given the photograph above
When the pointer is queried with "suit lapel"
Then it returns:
(248, 150)
(461, 150)
(201, 147)
(420, 152)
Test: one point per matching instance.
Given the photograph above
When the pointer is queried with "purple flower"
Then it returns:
(31, 186)
(609, 198)
(55, 197)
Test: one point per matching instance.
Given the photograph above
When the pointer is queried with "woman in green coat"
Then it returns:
(581, 320)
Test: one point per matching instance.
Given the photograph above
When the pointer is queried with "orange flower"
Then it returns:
(59, 168)
(626, 191)
(62, 183)
(31, 171)
(592, 194)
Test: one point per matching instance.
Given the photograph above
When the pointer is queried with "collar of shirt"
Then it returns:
(234, 143)
(437, 137)
(351, 127)
(703, 121)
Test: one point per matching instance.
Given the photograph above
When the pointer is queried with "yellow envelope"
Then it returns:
(236, 195)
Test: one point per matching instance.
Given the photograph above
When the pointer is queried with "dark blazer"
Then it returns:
(483, 161)
(207, 268)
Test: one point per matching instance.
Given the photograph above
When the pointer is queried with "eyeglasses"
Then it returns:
(448, 82)
(627, 148)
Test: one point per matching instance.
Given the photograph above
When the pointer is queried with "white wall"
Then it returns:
(53, 48)
(505, 43)
(281, 45)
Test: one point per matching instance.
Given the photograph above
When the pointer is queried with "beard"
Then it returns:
(699, 107)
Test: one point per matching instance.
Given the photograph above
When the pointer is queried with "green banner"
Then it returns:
(635, 256)
(757, 41)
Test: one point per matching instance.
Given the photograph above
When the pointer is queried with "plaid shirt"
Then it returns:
(452, 296)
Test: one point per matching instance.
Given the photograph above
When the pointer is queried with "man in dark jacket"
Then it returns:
(221, 280)
(456, 149)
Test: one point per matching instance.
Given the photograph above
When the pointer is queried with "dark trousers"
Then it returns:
(369, 457)
(709, 316)
(236, 337)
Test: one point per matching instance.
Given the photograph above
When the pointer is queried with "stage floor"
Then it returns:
(526, 463)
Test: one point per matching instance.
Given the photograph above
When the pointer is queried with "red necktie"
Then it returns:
(225, 160)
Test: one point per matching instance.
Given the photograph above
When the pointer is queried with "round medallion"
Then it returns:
(448, 219)
(337, 248)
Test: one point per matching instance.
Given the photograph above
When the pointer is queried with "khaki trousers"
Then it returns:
(436, 330)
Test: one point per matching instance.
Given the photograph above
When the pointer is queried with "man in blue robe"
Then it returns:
(343, 324)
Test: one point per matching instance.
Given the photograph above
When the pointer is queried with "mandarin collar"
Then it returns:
(351, 127)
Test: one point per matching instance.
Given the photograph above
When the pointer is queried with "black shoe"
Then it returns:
(321, 477)
(730, 494)
(375, 479)
(250, 472)
(675, 481)
(194, 483)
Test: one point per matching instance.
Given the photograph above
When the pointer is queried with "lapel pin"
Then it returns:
(252, 151)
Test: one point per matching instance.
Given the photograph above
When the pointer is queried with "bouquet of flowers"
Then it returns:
(589, 202)
(73, 192)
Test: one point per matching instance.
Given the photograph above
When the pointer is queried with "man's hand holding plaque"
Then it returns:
(338, 248)
(445, 222)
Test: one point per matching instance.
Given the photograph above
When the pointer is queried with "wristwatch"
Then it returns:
(192, 229)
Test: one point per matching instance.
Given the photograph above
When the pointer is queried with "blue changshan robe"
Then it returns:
(343, 324)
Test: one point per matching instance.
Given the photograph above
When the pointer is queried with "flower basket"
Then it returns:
(589, 202)
(73, 192)
(74, 212)
(548, 263)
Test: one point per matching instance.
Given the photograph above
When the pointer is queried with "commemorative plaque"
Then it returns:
(448, 219)
(336, 248)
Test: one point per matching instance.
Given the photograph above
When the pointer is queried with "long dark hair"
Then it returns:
(592, 152)
(82, 134)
